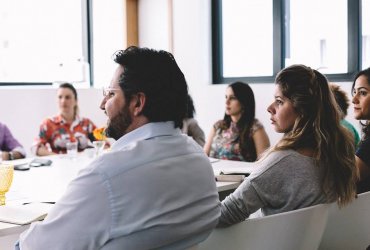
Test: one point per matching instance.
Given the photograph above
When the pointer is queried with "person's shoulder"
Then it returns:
(257, 124)
(275, 162)
(218, 124)
(190, 121)
(2, 126)
(364, 143)
(85, 120)
(52, 120)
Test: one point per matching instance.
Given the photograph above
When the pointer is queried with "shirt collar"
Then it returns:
(145, 132)
(59, 119)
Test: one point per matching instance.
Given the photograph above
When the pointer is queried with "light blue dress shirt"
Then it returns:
(154, 189)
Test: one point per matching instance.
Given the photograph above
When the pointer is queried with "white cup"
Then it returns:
(72, 149)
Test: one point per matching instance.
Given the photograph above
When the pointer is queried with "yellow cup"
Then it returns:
(6, 178)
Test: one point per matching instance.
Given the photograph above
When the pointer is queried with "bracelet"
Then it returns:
(11, 156)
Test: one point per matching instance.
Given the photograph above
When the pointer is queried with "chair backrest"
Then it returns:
(299, 230)
(348, 227)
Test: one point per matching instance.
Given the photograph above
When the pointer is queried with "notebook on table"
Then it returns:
(24, 214)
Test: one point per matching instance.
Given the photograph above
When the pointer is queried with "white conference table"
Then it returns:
(48, 183)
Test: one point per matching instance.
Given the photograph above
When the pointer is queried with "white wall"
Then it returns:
(192, 50)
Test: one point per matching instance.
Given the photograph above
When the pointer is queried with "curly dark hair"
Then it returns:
(157, 75)
(340, 97)
(365, 126)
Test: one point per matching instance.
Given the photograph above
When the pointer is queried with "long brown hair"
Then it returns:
(244, 94)
(318, 127)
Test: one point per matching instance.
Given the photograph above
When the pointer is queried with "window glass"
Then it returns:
(365, 34)
(108, 37)
(42, 41)
(318, 36)
(247, 38)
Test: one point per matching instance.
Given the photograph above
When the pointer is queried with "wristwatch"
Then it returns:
(11, 156)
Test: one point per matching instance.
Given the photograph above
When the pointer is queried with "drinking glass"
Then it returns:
(6, 178)
(72, 149)
(99, 146)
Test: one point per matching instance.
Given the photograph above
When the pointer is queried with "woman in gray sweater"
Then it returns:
(313, 163)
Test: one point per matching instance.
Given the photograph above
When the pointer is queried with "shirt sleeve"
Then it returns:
(239, 205)
(43, 133)
(80, 219)
(10, 142)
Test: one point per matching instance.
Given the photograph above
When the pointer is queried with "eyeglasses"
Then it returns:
(109, 92)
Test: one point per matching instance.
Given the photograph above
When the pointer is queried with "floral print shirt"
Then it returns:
(57, 132)
(225, 144)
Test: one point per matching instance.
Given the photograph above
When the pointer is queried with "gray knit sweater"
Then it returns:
(283, 181)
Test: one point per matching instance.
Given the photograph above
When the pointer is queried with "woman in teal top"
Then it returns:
(343, 103)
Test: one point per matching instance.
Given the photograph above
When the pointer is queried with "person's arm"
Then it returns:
(81, 219)
(14, 148)
(11, 155)
(42, 150)
(261, 141)
(196, 132)
(207, 146)
(363, 159)
(239, 205)
(363, 168)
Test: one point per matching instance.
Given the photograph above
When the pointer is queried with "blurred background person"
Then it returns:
(361, 105)
(343, 103)
(10, 148)
(239, 136)
(190, 125)
(67, 126)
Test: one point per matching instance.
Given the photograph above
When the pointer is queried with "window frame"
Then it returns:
(279, 43)
(131, 16)
(86, 15)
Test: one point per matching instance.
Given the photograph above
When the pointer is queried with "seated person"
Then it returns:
(343, 104)
(10, 148)
(361, 103)
(190, 125)
(155, 188)
(239, 136)
(55, 132)
(313, 163)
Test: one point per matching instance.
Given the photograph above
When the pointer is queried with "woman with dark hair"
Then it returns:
(190, 125)
(239, 136)
(56, 131)
(314, 161)
(361, 103)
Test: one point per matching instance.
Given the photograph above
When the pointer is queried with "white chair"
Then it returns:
(295, 230)
(348, 227)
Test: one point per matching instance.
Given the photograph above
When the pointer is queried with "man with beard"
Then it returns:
(155, 188)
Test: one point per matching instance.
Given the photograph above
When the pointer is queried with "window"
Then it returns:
(59, 41)
(43, 45)
(316, 38)
(239, 48)
(107, 39)
(253, 40)
(365, 33)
